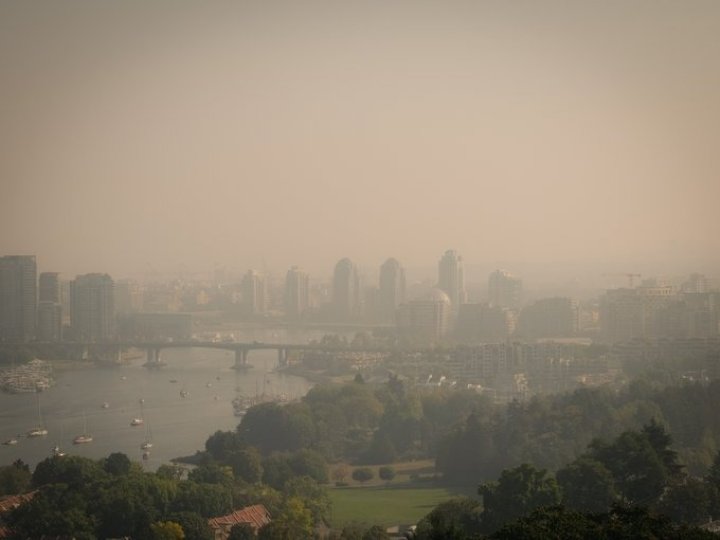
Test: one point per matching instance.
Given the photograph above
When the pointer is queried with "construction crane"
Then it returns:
(630, 277)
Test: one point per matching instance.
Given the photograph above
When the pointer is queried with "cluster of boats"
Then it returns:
(35, 376)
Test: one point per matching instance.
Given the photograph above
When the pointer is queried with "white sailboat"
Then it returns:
(84, 438)
(39, 430)
(147, 445)
(139, 421)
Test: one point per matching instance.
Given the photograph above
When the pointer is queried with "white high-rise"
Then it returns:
(451, 278)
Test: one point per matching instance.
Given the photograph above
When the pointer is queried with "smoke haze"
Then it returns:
(168, 135)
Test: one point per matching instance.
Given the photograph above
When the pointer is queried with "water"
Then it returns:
(178, 426)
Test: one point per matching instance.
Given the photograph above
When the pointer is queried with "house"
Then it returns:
(256, 516)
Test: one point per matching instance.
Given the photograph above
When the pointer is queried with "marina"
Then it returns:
(88, 411)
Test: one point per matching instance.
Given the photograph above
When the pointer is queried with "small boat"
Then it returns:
(123, 378)
(39, 430)
(184, 393)
(173, 381)
(84, 438)
(147, 445)
(137, 422)
(56, 452)
(105, 405)
(10, 442)
(208, 385)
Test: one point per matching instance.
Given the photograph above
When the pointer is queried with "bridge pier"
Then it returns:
(241, 359)
(282, 357)
(153, 358)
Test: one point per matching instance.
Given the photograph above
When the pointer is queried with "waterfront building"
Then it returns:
(18, 297)
(426, 318)
(451, 279)
(346, 291)
(92, 307)
(297, 293)
(255, 293)
(391, 291)
(504, 290)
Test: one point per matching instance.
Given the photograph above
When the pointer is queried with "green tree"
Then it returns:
(208, 500)
(242, 531)
(587, 485)
(117, 464)
(456, 519)
(246, 464)
(376, 532)
(293, 523)
(212, 474)
(689, 502)
(386, 473)
(313, 495)
(193, 525)
(362, 474)
(15, 478)
(167, 530)
(518, 492)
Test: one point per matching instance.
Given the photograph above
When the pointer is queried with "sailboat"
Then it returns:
(84, 438)
(139, 421)
(147, 445)
(40, 430)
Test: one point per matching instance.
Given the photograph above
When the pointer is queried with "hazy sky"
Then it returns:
(142, 135)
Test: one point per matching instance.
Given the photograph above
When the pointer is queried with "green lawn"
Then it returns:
(383, 505)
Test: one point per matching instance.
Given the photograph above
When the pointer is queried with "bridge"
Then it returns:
(153, 349)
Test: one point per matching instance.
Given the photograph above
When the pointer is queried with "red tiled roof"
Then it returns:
(11, 502)
(256, 515)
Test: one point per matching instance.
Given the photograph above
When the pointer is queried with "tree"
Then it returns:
(386, 473)
(294, 522)
(313, 495)
(362, 474)
(246, 464)
(212, 474)
(689, 502)
(518, 492)
(242, 531)
(193, 525)
(170, 472)
(117, 464)
(376, 532)
(456, 519)
(15, 478)
(167, 530)
(340, 473)
(587, 485)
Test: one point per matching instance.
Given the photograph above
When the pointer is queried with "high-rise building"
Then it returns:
(451, 278)
(92, 307)
(49, 287)
(634, 313)
(391, 292)
(297, 293)
(128, 297)
(50, 313)
(255, 293)
(49, 323)
(18, 297)
(346, 291)
(504, 290)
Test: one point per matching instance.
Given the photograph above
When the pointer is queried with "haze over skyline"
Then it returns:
(162, 136)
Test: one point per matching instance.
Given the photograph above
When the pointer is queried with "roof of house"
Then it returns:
(256, 515)
(11, 502)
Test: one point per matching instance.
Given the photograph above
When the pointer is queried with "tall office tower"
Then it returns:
(49, 287)
(549, 318)
(254, 293)
(18, 297)
(392, 289)
(49, 323)
(346, 290)
(92, 307)
(297, 293)
(504, 290)
(451, 278)
(49, 314)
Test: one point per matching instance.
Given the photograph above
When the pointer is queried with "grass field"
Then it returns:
(385, 505)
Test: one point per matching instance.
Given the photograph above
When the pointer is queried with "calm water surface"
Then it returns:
(177, 426)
